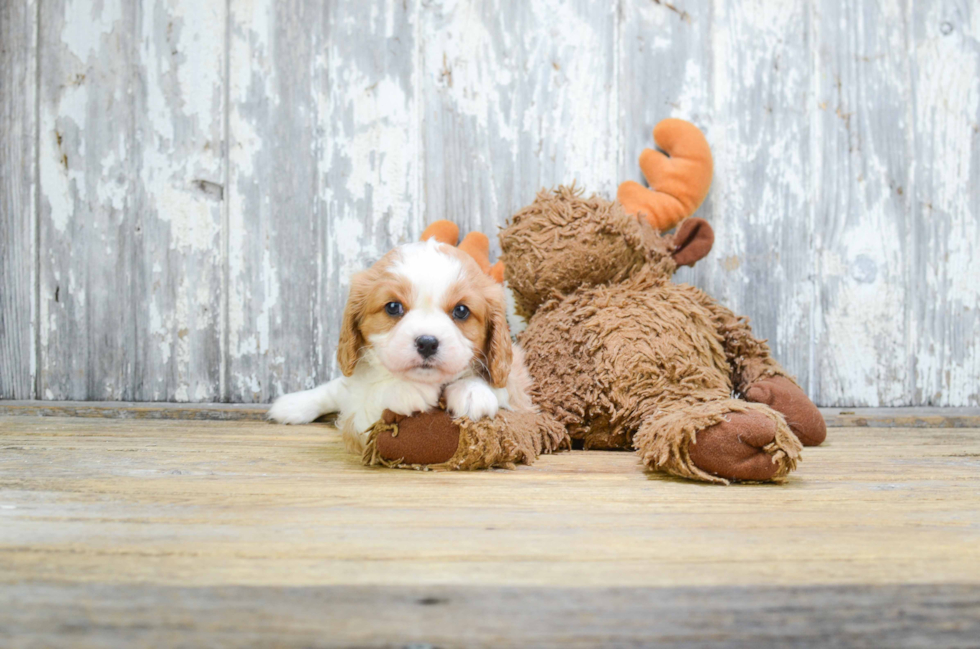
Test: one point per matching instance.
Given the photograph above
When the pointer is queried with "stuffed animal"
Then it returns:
(622, 357)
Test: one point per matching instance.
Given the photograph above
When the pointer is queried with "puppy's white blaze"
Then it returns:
(430, 271)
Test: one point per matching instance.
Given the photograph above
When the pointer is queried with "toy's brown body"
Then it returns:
(625, 358)
(607, 359)
(622, 357)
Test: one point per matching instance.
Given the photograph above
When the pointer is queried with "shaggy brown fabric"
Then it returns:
(508, 439)
(747, 356)
(562, 241)
(784, 396)
(620, 355)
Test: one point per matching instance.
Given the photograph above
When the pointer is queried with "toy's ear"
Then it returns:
(692, 242)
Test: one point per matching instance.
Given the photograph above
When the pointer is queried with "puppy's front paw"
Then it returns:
(295, 408)
(474, 399)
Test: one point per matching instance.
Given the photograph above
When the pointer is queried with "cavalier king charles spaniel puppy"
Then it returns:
(423, 324)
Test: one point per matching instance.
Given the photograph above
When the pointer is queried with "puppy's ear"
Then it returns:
(499, 351)
(351, 340)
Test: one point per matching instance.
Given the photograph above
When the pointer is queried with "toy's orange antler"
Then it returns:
(475, 244)
(679, 181)
(497, 272)
(442, 231)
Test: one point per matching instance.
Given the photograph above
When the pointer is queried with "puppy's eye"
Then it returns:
(461, 312)
(394, 309)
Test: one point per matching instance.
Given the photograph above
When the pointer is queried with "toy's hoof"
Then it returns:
(784, 396)
(423, 438)
(733, 449)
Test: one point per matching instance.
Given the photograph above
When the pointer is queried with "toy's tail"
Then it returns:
(679, 180)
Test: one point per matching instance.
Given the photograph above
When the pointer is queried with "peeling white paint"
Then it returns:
(61, 170)
(947, 119)
(192, 220)
(445, 110)
(378, 146)
(86, 23)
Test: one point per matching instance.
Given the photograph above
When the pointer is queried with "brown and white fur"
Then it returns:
(405, 358)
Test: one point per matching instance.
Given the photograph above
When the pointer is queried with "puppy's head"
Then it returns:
(426, 312)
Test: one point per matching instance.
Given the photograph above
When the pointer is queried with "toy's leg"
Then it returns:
(719, 441)
(760, 378)
(785, 397)
(437, 441)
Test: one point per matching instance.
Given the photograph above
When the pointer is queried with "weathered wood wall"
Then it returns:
(186, 185)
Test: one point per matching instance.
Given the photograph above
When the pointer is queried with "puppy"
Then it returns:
(424, 322)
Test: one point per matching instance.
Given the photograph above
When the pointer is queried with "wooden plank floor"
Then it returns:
(150, 533)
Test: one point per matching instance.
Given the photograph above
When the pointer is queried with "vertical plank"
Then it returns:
(665, 69)
(518, 95)
(89, 201)
(369, 164)
(18, 130)
(761, 96)
(180, 113)
(274, 228)
(863, 140)
(943, 264)
(130, 163)
(742, 75)
(324, 169)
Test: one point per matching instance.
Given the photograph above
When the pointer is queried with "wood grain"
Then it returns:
(130, 185)
(205, 503)
(116, 532)
(945, 210)
(274, 239)
(135, 410)
(931, 417)
(690, 60)
(863, 240)
(178, 273)
(18, 183)
(99, 615)
(89, 201)
(323, 156)
(518, 96)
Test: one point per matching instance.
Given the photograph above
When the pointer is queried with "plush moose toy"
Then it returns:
(622, 357)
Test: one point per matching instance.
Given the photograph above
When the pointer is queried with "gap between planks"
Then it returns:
(911, 417)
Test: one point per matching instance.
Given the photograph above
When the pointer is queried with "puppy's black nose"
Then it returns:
(427, 345)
